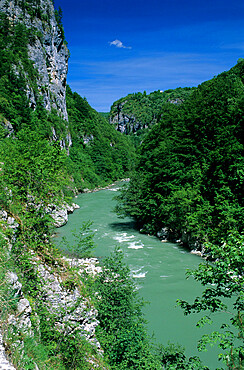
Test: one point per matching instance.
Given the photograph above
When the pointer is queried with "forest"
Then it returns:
(141, 111)
(186, 170)
(189, 172)
(188, 185)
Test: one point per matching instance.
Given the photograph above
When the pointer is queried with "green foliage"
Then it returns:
(59, 15)
(223, 280)
(172, 357)
(83, 245)
(14, 56)
(143, 111)
(122, 328)
(7, 299)
(189, 176)
(52, 346)
(34, 173)
(105, 115)
(99, 154)
(65, 351)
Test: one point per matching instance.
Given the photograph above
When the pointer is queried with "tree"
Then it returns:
(122, 332)
(83, 245)
(224, 292)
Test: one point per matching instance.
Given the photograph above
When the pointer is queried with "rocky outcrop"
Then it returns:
(124, 122)
(9, 221)
(4, 362)
(185, 238)
(58, 290)
(60, 214)
(23, 308)
(176, 101)
(7, 126)
(71, 312)
(47, 50)
(141, 111)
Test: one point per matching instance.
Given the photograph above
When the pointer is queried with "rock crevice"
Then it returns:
(48, 51)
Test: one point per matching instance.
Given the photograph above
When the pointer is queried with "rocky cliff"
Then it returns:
(59, 299)
(138, 111)
(124, 122)
(49, 53)
(47, 50)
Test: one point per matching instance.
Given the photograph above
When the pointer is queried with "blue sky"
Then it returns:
(126, 46)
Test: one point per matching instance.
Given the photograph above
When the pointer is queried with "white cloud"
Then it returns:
(119, 44)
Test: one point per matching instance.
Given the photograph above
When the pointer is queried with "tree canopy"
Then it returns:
(189, 175)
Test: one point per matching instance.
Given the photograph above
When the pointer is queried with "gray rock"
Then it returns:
(163, 234)
(4, 362)
(72, 311)
(8, 127)
(60, 217)
(3, 215)
(14, 283)
(125, 123)
(22, 319)
(60, 214)
(47, 50)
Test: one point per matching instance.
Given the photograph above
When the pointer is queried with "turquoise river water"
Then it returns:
(158, 268)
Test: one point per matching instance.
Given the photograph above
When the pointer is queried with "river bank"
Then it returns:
(158, 268)
(104, 187)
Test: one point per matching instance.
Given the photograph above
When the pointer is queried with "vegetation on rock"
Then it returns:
(189, 175)
(189, 179)
(99, 154)
(136, 113)
(37, 173)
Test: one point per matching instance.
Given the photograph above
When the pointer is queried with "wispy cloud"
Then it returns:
(119, 44)
(103, 82)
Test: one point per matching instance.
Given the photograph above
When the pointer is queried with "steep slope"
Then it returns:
(34, 62)
(46, 48)
(99, 153)
(33, 70)
(47, 316)
(137, 112)
(189, 178)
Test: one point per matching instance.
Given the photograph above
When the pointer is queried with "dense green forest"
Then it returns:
(189, 174)
(188, 179)
(99, 153)
(139, 112)
(39, 169)
(188, 186)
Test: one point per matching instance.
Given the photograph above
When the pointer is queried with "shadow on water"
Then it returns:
(123, 226)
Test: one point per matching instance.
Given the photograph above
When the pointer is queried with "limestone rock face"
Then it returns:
(22, 319)
(47, 50)
(72, 311)
(125, 123)
(60, 214)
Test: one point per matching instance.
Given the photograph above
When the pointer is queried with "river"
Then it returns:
(158, 268)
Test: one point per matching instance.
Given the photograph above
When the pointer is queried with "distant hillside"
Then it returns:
(138, 112)
(33, 72)
(189, 179)
(99, 154)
